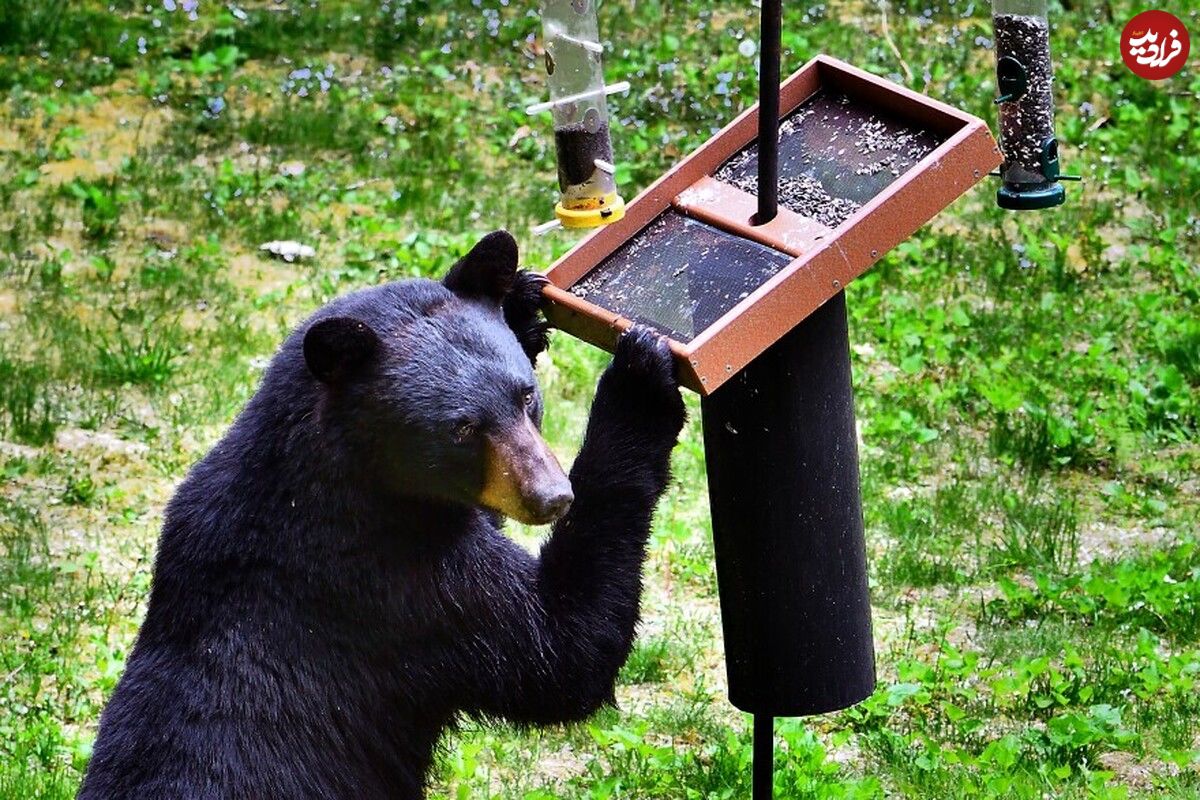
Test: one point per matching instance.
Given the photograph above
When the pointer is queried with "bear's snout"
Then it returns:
(522, 478)
(553, 504)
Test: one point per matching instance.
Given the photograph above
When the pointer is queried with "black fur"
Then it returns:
(521, 311)
(326, 597)
(337, 348)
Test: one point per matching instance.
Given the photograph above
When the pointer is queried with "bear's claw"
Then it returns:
(642, 350)
(643, 372)
(522, 311)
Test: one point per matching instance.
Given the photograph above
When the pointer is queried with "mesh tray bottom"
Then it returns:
(679, 276)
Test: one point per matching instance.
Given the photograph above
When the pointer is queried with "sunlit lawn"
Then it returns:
(1028, 387)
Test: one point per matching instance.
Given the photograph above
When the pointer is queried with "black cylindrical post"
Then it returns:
(781, 449)
(769, 59)
(764, 757)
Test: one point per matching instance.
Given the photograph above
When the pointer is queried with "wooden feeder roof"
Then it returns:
(864, 163)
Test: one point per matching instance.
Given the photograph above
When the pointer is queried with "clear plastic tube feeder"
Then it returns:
(575, 74)
(1025, 79)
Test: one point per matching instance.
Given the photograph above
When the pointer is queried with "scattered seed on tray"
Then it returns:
(823, 177)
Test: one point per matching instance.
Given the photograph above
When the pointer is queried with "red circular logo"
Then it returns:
(1155, 45)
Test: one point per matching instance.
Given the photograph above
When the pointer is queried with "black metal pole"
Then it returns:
(764, 756)
(768, 110)
(782, 459)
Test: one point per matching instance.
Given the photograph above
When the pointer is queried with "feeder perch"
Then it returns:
(578, 103)
(1025, 79)
(863, 163)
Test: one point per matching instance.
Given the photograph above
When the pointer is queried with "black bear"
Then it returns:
(332, 587)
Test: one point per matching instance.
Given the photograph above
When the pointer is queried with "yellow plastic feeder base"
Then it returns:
(591, 212)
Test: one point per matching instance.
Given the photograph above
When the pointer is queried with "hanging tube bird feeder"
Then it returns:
(578, 103)
(1025, 78)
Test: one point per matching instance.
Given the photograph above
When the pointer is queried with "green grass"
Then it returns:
(1027, 387)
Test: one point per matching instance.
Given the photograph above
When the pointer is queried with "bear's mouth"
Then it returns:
(522, 478)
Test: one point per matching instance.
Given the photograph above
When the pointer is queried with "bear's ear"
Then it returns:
(488, 271)
(336, 348)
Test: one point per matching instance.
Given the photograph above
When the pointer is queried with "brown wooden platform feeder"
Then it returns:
(783, 271)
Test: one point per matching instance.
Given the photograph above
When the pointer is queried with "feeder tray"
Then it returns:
(863, 163)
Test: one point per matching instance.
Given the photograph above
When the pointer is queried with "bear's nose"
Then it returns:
(552, 504)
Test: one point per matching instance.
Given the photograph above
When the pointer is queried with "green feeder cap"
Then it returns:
(1030, 197)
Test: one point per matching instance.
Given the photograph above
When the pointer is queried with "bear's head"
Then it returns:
(432, 385)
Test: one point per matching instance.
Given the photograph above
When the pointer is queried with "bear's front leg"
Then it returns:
(574, 612)
(634, 423)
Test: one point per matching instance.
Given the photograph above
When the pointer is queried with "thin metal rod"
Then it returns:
(768, 110)
(764, 756)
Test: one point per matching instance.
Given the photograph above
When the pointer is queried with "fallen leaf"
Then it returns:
(522, 133)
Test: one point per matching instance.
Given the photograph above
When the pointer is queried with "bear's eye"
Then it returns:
(529, 398)
(464, 431)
